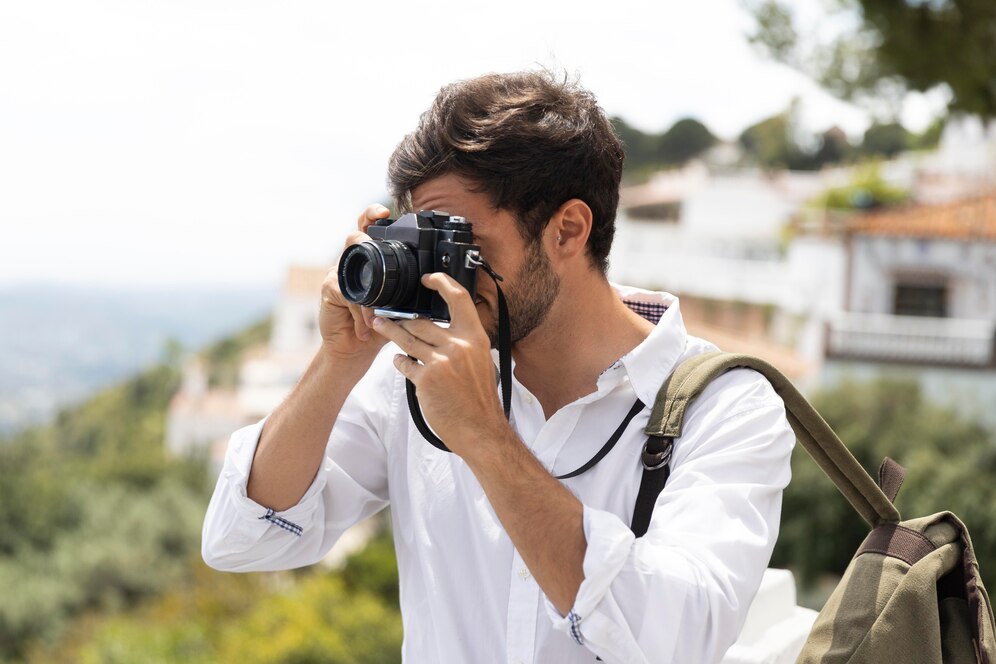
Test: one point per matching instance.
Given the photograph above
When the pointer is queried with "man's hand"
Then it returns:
(454, 376)
(346, 327)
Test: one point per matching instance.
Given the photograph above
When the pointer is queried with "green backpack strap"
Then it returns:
(692, 376)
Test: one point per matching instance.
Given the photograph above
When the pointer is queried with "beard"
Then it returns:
(529, 296)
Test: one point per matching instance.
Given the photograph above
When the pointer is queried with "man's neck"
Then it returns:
(586, 331)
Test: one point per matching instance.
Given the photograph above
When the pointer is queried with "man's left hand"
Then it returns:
(454, 374)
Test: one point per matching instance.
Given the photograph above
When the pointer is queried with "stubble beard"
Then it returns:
(530, 296)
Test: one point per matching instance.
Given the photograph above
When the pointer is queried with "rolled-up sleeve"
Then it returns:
(681, 592)
(241, 535)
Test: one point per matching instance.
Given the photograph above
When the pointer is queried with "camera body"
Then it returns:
(386, 272)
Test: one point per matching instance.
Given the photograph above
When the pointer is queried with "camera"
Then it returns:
(386, 272)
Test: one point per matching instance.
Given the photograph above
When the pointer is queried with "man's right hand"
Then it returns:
(346, 327)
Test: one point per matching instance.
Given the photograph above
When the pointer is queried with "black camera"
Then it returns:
(386, 272)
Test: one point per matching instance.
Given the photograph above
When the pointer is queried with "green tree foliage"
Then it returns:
(684, 140)
(770, 142)
(93, 515)
(889, 46)
(951, 463)
(866, 191)
(834, 148)
(887, 140)
(224, 357)
(375, 570)
(315, 620)
(311, 615)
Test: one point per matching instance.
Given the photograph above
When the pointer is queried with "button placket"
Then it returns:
(523, 604)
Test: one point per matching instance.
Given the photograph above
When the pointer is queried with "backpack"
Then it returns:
(912, 593)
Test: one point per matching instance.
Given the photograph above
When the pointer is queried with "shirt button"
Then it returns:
(524, 573)
(529, 399)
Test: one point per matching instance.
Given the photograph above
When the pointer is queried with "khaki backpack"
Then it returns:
(912, 594)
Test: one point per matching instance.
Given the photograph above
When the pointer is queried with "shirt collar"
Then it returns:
(653, 360)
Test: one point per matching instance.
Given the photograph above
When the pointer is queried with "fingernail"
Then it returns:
(377, 322)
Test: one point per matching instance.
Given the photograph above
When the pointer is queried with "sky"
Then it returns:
(201, 142)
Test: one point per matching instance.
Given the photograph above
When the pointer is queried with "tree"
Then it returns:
(883, 48)
(834, 147)
(684, 140)
(886, 140)
(867, 190)
(640, 147)
(773, 144)
(950, 463)
(687, 138)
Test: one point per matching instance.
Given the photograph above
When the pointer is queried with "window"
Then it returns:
(921, 299)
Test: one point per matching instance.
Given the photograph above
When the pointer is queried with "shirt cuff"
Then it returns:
(609, 543)
(238, 462)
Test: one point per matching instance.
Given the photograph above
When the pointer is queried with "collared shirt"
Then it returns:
(678, 594)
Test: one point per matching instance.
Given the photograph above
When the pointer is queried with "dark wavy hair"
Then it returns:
(529, 141)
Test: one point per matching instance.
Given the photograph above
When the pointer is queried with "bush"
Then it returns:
(951, 463)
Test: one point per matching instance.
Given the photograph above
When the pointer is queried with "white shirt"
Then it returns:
(679, 594)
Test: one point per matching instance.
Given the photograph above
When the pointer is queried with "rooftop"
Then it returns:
(967, 219)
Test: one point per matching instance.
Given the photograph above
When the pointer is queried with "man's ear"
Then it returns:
(568, 229)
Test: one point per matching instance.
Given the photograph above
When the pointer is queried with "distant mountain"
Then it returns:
(60, 343)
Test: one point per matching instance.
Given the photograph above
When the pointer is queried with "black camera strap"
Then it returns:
(504, 365)
(505, 380)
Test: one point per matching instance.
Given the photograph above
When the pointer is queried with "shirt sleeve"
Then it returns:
(681, 592)
(240, 535)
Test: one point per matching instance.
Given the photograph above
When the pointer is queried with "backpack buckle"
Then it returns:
(658, 457)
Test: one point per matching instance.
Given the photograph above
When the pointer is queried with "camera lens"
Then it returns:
(378, 273)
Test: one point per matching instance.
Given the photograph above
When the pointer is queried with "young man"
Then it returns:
(498, 560)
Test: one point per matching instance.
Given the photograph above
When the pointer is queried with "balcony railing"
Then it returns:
(914, 339)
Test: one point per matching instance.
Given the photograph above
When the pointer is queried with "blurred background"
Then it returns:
(815, 179)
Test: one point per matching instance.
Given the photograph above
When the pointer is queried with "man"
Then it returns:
(498, 560)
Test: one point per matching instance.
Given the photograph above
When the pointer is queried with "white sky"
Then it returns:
(208, 142)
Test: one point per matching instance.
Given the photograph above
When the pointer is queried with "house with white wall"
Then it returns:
(202, 418)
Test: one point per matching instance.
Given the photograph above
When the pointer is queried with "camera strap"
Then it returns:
(504, 365)
(505, 380)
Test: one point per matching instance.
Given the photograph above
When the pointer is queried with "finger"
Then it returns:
(370, 215)
(457, 297)
(360, 324)
(405, 340)
(409, 368)
(368, 316)
(426, 330)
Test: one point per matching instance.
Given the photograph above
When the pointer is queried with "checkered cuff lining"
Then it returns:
(289, 526)
(575, 627)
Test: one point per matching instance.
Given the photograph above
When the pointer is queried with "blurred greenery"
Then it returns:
(950, 461)
(100, 538)
(882, 48)
(867, 190)
(224, 357)
(99, 534)
(778, 142)
(775, 142)
(648, 152)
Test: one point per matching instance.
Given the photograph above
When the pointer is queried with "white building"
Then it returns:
(202, 418)
(921, 302)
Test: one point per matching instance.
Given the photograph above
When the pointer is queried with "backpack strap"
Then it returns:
(692, 376)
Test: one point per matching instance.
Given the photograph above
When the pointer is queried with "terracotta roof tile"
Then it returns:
(967, 219)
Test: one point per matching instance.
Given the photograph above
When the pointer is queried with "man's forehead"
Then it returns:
(449, 193)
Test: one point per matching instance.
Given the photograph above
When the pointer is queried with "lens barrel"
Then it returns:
(378, 273)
